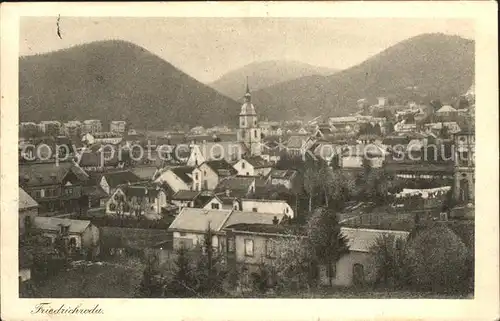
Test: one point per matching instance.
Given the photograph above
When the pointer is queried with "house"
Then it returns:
(118, 126)
(189, 227)
(452, 127)
(111, 180)
(55, 187)
(91, 126)
(253, 166)
(446, 113)
(145, 173)
(177, 178)
(249, 244)
(282, 177)
(277, 207)
(324, 130)
(146, 199)
(403, 127)
(298, 144)
(229, 150)
(184, 198)
(98, 161)
(355, 268)
(102, 138)
(238, 186)
(79, 235)
(354, 156)
(219, 202)
(28, 210)
(207, 175)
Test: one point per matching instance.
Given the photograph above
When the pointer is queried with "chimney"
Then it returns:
(228, 193)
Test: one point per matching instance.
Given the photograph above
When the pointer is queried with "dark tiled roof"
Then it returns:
(182, 172)
(36, 174)
(122, 177)
(258, 162)
(185, 195)
(97, 159)
(282, 173)
(268, 228)
(238, 186)
(221, 167)
(95, 191)
(141, 190)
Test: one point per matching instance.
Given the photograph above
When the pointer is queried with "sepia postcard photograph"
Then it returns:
(250, 151)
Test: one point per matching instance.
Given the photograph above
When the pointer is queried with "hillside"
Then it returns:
(425, 67)
(113, 80)
(263, 74)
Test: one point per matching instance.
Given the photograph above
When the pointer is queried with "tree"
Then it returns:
(183, 283)
(437, 260)
(151, 285)
(326, 182)
(292, 267)
(389, 260)
(325, 239)
(310, 184)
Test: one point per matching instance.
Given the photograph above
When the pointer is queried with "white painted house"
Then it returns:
(263, 206)
(177, 178)
(207, 175)
(189, 227)
(354, 155)
(253, 166)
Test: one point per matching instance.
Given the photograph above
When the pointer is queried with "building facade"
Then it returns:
(249, 131)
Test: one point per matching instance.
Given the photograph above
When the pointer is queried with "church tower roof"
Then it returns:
(247, 108)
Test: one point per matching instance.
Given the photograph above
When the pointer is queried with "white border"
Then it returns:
(483, 307)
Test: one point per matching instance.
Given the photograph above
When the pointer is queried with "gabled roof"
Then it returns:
(238, 185)
(283, 173)
(238, 217)
(54, 223)
(257, 162)
(361, 240)
(121, 177)
(446, 109)
(185, 195)
(197, 219)
(145, 172)
(182, 172)
(297, 141)
(221, 167)
(25, 200)
(36, 174)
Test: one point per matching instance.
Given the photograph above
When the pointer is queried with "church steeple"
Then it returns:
(248, 96)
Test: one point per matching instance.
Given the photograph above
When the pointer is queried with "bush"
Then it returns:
(437, 261)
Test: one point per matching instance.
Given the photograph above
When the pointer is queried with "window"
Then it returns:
(255, 122)
(286, 210)
(248, 247)
(255, 133)
(215, 206)
(38, 194)
(254, 209)
(230, 245)
(270, 248)
(68, 191)
(182, 233)
(196, 176)
(243, 164)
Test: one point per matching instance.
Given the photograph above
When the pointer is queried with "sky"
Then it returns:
(207, 48)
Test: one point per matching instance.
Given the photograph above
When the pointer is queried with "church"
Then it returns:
(249, 132)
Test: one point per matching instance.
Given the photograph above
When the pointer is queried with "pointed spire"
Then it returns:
(248, 96)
